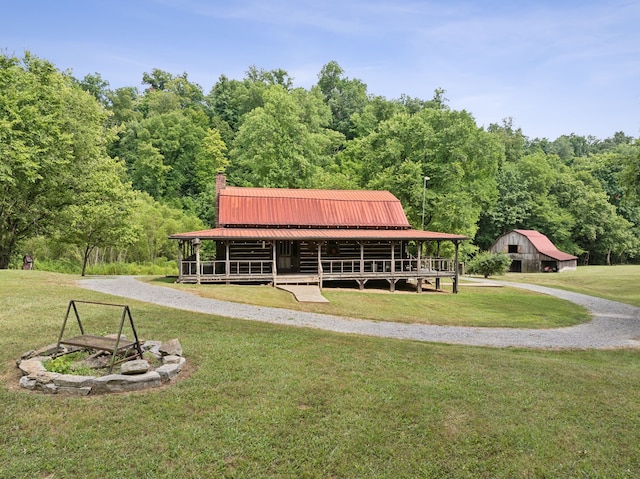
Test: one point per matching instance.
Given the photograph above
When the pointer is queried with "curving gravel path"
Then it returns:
(614, 325)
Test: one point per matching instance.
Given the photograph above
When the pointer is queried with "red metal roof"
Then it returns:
(278, 208)
(545, 246)
(314, 234)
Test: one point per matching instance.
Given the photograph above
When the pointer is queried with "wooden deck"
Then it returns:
(360, 271)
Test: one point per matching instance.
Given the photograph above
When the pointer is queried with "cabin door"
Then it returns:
(286, 256)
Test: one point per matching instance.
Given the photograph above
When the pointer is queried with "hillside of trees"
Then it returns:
(92, 174)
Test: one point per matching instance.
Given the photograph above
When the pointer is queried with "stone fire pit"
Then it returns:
(134, 375)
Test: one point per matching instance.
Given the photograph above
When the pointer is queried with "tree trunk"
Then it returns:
(85, 260)
(4, 260)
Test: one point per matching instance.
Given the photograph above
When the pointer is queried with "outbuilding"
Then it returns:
(532, 252)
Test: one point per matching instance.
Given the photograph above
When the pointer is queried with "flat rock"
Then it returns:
(137, 366)
(73, 381)
(114, 383)
(43, 351)
(72, 391)
(33, 366)
(153, 346)
(27, 382)
(171, 348)
(168, 371)
(171, 359)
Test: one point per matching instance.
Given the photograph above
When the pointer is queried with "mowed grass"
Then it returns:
(474, 306)
(263, 401)
(618, 283)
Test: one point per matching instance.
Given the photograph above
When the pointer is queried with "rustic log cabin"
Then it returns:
(296, 236)
(532, 252)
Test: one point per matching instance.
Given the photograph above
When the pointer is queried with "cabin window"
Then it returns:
(513, 248)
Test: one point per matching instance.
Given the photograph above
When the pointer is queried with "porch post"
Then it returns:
(274, 266)
(227, 261)
(418, 267)
(320, 263)
(438, 256)
(180, 245)
(455, 280)
(392, 282)
(393, 258)
(196, 244)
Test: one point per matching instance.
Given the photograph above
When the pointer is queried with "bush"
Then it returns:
(489, 264)
(159, 267)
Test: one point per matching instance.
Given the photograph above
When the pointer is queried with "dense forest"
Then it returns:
(93, 174)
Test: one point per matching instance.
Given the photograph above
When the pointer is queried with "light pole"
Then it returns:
(424, 192)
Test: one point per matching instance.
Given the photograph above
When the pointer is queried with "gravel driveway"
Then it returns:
(614, 325)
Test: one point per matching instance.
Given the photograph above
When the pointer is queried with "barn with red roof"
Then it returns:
(532, 252)
(297, 236)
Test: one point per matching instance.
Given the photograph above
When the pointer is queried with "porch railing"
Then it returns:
(367, 267)
(235, 268)
(341, 266)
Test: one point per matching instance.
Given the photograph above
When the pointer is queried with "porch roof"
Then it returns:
(312, 234)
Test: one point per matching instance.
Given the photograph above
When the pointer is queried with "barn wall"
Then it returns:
(570, 265)
(530, 259)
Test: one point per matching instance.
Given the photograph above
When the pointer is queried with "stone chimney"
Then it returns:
(221, 184)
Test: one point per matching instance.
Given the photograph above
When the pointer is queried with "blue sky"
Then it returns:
(555, 66)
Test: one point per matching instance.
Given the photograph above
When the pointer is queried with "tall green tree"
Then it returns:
(447, 146)
(512, 138)
(102, 215)
(344, 96)
(50, 129)
(285, 143)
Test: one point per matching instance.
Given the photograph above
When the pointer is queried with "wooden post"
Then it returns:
(180, 246)
(320, 264)
(393, 258)
(196, 244)
(438, 256)
(275, 262)
(227, 261)
(455, 265)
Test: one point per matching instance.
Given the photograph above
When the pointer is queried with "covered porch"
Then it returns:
(307, 256)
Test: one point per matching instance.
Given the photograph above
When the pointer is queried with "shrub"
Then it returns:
(489, 264)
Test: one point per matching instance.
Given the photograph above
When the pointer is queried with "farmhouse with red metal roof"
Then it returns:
(301, 236)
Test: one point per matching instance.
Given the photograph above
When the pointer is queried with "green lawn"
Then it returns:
(474, 306)
(265, 401)
(618, 283)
